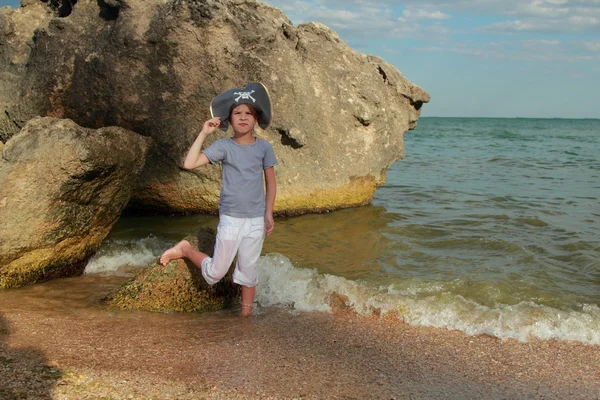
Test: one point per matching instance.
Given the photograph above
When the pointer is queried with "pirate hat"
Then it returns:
(254, 94)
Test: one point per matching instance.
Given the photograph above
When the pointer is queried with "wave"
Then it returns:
(284, 285)
(114, 255)
(413, 301)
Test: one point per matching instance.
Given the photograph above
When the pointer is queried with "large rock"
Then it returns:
(62, 187)
(178, 286)
(153, 66)
(16, 41)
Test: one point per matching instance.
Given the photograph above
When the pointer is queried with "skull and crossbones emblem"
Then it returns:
(244, 95)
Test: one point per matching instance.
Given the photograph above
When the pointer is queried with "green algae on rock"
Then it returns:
(178, 286)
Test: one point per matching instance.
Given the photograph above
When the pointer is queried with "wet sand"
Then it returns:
(58, 343)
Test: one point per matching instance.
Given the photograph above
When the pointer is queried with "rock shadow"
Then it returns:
(24, 372)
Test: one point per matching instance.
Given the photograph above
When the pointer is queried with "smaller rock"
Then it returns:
(62, 187)
(178, 286)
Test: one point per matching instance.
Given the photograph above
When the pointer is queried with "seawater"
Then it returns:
(488, 226)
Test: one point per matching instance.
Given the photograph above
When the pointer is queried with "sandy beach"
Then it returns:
(57, 344)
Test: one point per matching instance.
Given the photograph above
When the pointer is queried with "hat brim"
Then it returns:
(254, 94)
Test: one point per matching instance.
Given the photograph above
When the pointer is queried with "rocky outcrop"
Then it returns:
(62, 187)
(153, 66)
(17, 29)
(178, 286)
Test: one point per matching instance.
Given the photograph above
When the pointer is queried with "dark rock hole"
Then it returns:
(62, 7)
(287, 140)
(383, 74)
(108, 12)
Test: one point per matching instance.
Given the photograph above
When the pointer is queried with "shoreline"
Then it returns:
(54, 351)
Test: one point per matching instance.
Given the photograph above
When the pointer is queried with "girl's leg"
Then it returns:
(181, 250)
(213, 268)
(248, 294)
(245, 273)
(226, 246)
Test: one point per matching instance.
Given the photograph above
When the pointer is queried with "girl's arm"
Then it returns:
(271, 192)
(195, 158)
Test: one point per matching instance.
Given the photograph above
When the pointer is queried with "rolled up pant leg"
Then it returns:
(251, 244)
(226, 246)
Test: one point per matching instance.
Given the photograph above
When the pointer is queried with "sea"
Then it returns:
(487, 226)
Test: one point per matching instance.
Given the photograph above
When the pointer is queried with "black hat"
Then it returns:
(254, 94)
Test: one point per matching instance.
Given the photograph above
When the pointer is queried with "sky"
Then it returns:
(476, 58)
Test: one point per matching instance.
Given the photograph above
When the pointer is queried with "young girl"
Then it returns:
(245, 211)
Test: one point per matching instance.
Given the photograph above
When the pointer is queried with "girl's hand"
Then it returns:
(269, 224)
(211, 125)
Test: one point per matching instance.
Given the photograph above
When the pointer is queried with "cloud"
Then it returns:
(574, 24)
(540, 50)
(539, 43)
(525, 30)
(354, 20)
(591, 45)
(584, 21)
(416, 14)
(432, 49)
(520, 16)
(543, 16)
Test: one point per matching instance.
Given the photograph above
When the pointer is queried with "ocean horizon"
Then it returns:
(542, 118)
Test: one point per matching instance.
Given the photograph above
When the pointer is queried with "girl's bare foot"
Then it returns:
(246, 310)
(175, 252)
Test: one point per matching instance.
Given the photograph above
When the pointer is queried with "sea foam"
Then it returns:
(283, 284)
(115, 254)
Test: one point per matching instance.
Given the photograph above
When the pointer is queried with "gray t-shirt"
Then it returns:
(242, 192)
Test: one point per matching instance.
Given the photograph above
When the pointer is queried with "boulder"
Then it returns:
(153, 66)
(16, 41)
(62, 187)
(178, 286)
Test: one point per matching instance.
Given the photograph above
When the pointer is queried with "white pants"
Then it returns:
(244, 236)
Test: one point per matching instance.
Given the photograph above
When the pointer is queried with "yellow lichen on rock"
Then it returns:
(358, 192)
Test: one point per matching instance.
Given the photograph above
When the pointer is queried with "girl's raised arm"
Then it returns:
(195, 158)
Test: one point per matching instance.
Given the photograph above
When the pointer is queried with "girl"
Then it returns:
(245, 211)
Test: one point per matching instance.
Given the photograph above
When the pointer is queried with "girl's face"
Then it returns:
(242, 119)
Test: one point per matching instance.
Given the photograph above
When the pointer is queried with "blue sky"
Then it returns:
(476, 58)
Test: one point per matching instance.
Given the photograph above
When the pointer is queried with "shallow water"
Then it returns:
(488, 226)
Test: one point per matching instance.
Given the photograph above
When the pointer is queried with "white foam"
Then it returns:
(524, 321)
(282, 284)
(414, 302)
(116, 254)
